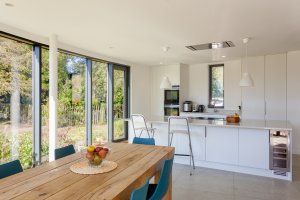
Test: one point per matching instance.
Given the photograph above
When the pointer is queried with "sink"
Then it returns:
(209, 118)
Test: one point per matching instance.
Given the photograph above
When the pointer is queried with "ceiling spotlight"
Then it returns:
(165, 49)
(161, 63)
(223, 56)
(9, 4)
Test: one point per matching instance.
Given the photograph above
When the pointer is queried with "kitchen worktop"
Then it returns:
(255, 124)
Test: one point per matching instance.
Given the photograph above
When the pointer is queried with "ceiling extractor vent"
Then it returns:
(213, 45)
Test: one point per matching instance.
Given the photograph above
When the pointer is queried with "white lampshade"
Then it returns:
(246, 80)
(165, 83)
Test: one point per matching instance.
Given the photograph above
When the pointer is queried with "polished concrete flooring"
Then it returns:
(209, 184)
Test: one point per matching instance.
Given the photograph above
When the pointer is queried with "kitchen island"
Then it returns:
(239, 147)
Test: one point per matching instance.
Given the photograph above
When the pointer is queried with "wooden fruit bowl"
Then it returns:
(233, 119)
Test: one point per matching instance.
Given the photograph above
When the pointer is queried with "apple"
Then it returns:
(89, 156)
(105, 149)
(102, 153)
(90, 148)
(97, 149)
(97, 160)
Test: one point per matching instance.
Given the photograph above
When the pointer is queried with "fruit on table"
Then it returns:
(91, 148)
(97, 149)
(96, 154)
(102, 153)
(97, 160)
(89, 156)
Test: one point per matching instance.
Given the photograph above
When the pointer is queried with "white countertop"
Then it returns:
(255, 124)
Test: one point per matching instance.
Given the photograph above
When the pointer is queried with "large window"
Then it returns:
(216, 86)
(71, 96)
(15, 102)
(83, 92)
(99, 102)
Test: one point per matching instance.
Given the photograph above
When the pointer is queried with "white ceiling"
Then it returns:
(138, 29)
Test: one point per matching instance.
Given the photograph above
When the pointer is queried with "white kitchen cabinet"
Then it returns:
(222, 145)
(275, 87)
(253, 98)
(198, 141)
(254, 148)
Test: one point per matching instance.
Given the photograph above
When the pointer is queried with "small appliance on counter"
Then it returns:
(187, 106)
(201, 108)
(195, 108)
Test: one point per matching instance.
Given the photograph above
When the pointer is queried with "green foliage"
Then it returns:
(25, 149)
(5, 148)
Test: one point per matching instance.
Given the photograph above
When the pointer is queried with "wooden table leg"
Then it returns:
(156, 177)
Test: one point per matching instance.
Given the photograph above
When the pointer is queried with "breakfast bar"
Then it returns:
(250, 146)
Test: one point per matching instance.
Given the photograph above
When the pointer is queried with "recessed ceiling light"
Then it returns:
(110, 47)
(165, 49)
(9, 4)
(223, 56)
(161, 63)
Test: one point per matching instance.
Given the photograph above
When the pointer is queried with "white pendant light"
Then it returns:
(165, 83)
(246, 80)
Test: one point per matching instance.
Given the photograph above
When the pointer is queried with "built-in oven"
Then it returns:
(171, 97)
(280, 151)
(171, 110)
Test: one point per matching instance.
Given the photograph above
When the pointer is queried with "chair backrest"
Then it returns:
(146, 141)
(10, 168)
(178, 122)
(140, 193)
(138, 121)
(164, 181)
(64, 151)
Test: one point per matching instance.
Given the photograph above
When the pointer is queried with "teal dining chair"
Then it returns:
(146, 141)
(140, 193)
(64, 151)
(10, 168)
(157, 191)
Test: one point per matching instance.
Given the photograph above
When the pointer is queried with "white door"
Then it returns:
(275, 87)
(222, 145)
(254, 148)
(253, 103)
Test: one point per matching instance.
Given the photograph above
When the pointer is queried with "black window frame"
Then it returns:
(210, 86)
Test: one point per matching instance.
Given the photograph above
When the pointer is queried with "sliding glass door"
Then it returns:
(119, 99)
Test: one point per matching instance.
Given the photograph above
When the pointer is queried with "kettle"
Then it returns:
(187, 106)
(201, 108)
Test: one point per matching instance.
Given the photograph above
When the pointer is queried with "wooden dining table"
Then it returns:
(55, 180)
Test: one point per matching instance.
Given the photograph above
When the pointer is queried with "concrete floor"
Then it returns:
(209, 184)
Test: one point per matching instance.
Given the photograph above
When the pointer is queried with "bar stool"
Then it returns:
(139, 124)
(183, 122)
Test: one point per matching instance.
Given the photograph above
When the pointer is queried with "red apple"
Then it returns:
(102, 153)
(97, 149)
(105, 149)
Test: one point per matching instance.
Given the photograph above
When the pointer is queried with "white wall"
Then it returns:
(157, 94)
(293, 96)
(140, 90)
(199, 84)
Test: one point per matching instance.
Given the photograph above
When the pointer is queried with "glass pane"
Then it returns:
(71, 96)
(15, 102)
(99, 107)
(45, 105)
(217, 91)
(118, 111)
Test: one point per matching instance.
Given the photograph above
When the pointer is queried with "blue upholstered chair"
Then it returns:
(64, 151)
(140, 193)
(157, 191)
(10, 168)
(146, 141)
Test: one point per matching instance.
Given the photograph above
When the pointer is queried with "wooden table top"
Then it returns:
(55, 180)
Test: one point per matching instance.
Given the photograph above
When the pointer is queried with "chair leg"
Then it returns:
(171, 139)
(191, 154)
